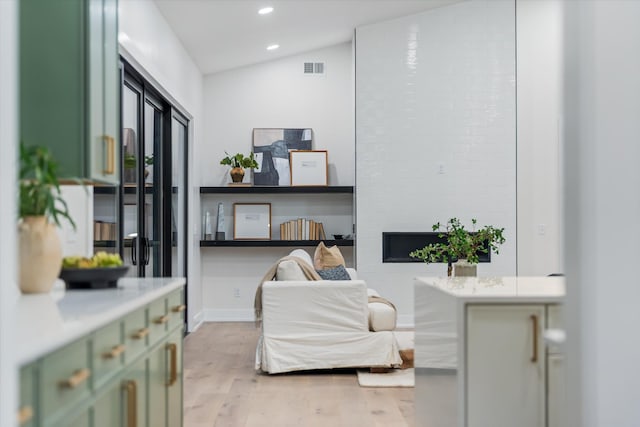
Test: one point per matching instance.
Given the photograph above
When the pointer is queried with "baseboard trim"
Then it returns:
(196, 322)
(228, 315)
(406, 321)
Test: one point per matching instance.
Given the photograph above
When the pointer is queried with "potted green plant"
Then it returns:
(461, 246)
(238, 162)
(41, 207)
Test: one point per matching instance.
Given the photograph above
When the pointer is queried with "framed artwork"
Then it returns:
(309, 168)
(252, 221)
(271, 147)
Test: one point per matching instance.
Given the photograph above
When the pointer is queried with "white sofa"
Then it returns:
(324, 325)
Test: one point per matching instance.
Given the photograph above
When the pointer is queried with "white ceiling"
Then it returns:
(224, 34)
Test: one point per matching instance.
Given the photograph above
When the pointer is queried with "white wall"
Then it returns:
(277, 94)
(8, 218)
(149, 43)
(539, 56)
(435, 92)
(274, 94)
(602, 111)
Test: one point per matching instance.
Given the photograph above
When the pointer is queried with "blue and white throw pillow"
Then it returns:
(336, 273)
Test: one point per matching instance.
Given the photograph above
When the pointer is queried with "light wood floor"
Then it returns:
(221, 388)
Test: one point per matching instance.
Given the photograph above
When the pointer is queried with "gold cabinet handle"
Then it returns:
(140, 334)
(162, 319)
(115, 352)
(25, 414)
(110, 161)
(131, 387)
(534, 323)
(173, 374)
(179, 308)
(76, 379)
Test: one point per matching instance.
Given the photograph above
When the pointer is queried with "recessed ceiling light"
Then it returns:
(273, 46)
(265, 10)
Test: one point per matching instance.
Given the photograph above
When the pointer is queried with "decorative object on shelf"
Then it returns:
(207, 226)
(220, 223)
(309, 168)
(238, 162)
(302, 229)
(461, 246)
(41, 202)
(252, 221)
(272, 147)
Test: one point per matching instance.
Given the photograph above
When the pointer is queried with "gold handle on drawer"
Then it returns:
(110, 155)
(173, 375)
(140, 334)
(162, 319)
(115, 352)
(76, 379)
(25, 414)
(534, 322)
(179, 308)
(132, 403)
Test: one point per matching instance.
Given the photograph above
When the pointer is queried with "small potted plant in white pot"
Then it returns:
(238, 163)
(461, 246)
(41, 207)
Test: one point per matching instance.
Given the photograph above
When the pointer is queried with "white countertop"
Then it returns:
(49, 321)
(499, 289)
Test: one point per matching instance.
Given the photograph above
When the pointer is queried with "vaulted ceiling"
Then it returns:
(224, 34)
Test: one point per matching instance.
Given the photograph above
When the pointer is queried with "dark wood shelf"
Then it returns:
(276, 190)
(104, 243)
(128, 189)
(274, 243)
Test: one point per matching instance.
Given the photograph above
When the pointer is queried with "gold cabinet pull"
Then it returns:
(115, 352)
(534, 323)
(131, 387)
(25, 414)
(179, 308)
(76, 379)
(173, 374)
(162, 319)
(110, 143)
(140, 334)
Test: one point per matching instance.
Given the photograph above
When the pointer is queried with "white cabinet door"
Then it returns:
(556, 391)
(505, 366)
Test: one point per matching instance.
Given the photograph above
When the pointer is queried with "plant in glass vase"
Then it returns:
(238, 162)
(461, 246)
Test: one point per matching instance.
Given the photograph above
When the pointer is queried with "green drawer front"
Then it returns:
(108, 353)
(136, 334)
(176, 309)
(27, 408)
(158, 320)
(63, 380)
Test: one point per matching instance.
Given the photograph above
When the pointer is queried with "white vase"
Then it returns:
(39, 256)
(462, 268)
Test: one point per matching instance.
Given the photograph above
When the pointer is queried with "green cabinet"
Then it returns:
(69, 84)
(119, 375)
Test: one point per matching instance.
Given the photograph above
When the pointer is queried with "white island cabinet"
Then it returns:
(109, 357)
(479, 343)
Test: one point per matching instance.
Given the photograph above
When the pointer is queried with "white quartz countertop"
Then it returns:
(49, 321)
(499, 289)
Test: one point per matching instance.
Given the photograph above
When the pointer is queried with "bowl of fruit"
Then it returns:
(101, 271)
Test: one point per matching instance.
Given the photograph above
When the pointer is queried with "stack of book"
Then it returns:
(104, 230)
(302, 229)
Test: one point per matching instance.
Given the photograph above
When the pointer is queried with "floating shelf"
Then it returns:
(276, 190)
(274, 243)
(104, 243)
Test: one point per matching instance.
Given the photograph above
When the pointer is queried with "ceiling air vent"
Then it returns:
(314, 67)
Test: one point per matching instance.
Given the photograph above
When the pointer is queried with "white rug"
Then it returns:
(394, 378)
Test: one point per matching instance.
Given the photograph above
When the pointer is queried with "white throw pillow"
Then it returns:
(304, 255)
(289, 270)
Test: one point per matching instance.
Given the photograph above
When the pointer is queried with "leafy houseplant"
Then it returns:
(41, 207)
(461, 244)
(39, 186)
(238, 162)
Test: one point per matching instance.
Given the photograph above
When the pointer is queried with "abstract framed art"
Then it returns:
(271, 147)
